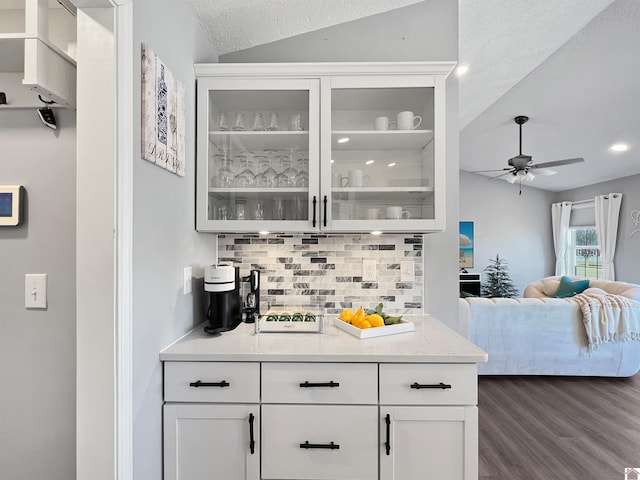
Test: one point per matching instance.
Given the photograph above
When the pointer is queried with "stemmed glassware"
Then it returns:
(287, 175)
(224, 176)
(302, 178)
(246, 178)
(267, 176)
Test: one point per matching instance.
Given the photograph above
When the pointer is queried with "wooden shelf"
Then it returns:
(381, 139)
(264, 140)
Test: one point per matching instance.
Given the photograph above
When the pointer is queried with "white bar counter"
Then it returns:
(430, 342)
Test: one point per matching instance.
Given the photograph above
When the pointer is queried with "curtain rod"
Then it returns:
(584, 201)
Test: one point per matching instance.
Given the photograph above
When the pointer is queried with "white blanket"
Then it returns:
(608, 318)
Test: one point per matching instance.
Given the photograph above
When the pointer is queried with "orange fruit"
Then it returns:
(346, 315)
(375, 320)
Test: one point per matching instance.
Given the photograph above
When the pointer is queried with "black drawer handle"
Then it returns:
(252, 442)
(329, 446)
(387, 444)
(441, 385)
(200, 383)
(325, 384)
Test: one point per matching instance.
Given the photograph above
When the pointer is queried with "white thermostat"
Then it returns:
(11, 205)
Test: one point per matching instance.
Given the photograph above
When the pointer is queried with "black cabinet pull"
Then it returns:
(387, 444)
(329, 446)
(441, 385)
(324, 217)
(315, 203)
(325, 384)
(252, 442)
(200, 383)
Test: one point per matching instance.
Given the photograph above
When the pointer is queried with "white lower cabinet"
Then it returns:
(320, 421)
(204, 442)
(320, 442)
(439, 443)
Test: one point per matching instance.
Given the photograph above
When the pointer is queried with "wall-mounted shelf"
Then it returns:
(28, 51)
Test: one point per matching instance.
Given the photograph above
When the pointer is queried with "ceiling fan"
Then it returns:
(520, 166)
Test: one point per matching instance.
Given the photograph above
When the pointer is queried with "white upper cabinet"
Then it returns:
(321, 147)
(37, 52)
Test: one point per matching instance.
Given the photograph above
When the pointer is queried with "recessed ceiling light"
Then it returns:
(368, 162)
(332, 160)
(392, 164)
(462, 69)
(263, 232)
(376, 232)
(343, 140)
(619, 147)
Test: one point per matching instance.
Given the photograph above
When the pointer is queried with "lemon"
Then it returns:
(364, 324)
(358, 316)
(375, 320)
(346, 315)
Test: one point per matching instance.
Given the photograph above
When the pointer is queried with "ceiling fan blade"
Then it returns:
(495, 170)
(558, 163)
(501, 175)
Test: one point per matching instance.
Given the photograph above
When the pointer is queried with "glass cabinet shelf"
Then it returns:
(380, 140)
(249, 140)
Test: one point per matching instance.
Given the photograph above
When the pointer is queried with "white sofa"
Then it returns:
(540, 335)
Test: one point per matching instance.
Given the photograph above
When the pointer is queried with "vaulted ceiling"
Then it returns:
(570, 65)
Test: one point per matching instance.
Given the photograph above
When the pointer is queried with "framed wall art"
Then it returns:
(163, 115)
(466, 245)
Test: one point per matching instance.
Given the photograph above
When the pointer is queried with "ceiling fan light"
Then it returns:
(529, 176)
(511, 178)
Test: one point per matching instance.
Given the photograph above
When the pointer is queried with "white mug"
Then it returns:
(356, 178)
(383, 123)
(373, 214)
(407, 121)
(397, 213)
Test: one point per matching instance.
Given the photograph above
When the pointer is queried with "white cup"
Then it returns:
(336, 180)
(373, 213)
(407, 121)
(383, 123)
(397, 213)
(356, 178)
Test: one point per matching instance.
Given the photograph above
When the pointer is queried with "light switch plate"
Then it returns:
(407, 273)
(186, 280)
(35, 290)
(369, 270)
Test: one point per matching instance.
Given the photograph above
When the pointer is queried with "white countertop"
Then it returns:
(430, 342)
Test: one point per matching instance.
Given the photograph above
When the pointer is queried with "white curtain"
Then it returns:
(607, 213)
(560, 215)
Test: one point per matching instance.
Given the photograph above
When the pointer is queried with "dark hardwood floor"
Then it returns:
(558, 428)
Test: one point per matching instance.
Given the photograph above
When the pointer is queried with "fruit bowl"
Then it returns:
(401, 327)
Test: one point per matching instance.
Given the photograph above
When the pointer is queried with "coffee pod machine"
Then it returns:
(226, 306)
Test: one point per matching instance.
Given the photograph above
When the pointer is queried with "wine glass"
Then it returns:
(224, 175)
(267, 176)
(246, 178)
(302, 178)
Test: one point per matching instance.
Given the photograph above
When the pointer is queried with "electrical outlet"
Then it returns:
(35, 290)
(407, 273)
(186, 280)
(368, 270)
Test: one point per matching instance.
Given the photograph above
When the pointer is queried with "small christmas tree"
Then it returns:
(498, 281)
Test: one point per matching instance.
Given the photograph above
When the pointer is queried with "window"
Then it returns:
(585, 253)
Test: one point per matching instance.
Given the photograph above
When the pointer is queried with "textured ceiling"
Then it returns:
(233, 25)
(570, 65)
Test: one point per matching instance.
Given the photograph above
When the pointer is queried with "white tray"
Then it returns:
(402, 327)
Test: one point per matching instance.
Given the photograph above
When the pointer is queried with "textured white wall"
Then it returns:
(516, 227)
(37, 347)
(164, 239)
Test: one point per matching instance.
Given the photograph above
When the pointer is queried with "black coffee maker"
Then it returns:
(226, 305)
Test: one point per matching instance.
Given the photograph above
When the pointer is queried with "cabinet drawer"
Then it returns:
(352, 429)
(320, 383)
(211, 382)
(417, 384)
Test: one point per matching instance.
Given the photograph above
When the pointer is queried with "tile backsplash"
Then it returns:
(326, 270)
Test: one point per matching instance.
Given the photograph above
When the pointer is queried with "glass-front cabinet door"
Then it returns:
(258, 158)
(379, 165)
